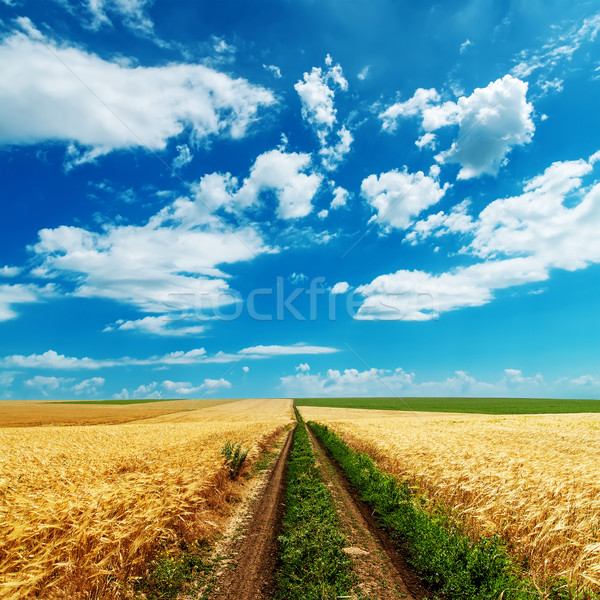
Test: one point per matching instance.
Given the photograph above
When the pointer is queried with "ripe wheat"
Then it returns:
(533, 480)
(83, 509)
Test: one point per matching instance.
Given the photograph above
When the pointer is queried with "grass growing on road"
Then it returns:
(450, 561)
(313, 565)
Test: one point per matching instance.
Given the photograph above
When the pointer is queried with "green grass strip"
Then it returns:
(450, 562)
(488, 406)
(312, 563)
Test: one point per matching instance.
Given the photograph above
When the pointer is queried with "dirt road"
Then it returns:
(381, 569)
(256, 558)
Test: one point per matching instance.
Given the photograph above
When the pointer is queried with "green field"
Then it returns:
(137, 401)
(491, 406)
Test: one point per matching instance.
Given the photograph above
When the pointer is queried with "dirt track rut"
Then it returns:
(382, 570)
(252, 577)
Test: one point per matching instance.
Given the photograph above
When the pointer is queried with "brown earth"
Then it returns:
(382, 570)
(255, 556)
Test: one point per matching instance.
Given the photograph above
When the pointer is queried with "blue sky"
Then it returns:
(299, 199)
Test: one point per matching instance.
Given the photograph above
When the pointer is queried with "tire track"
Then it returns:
(253, 575)
(382, 570)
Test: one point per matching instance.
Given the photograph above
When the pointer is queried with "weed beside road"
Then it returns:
(450, 562)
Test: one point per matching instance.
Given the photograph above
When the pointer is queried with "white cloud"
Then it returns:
(457, 221)
(427, 140)
(131, 12)
(318, 110)
(412, 107)
(317, 99)
(387, 382)
(555, 85)
(492, 121)
(538, 222)
(558, 49)
(184, 156)
(8, 271)
(349, 382)
(553, 224)
(465, 45)
(21, 293)
(164, 326)
(275, 70)
(275, 350)
(276, 171)
(55, 361)
(322, 214)
(245, 369)
(212, 385)
(364, 72)
(44, 97)
(47, 384)
(399, 196)
(340, 197)
(341, 287)
(298, 278)
(148, 391)
(303, 367)
(282, 173)
(169, 264)
(174, 388)
(332, 155)
(421, 296)
(185, 388)
(89, 386)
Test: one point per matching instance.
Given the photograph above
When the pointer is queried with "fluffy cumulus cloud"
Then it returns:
(421, 100)
(350, 382)
(553, 224)
(163, 325)
(47, 384)
(340, 197)
(491, 121)
(542, 223)
(21, 293)
(399, 196)
(282, 173)
(89, 386)
(185, 388)
(51, 92)
(9, 271)
(456, 221)
(156, 268)
(317, 99)
(174, 261)
(421, 296)
(389, 382)
(341, 287)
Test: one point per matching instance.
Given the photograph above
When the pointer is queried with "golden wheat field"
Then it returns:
(534, 480)
(83, 508)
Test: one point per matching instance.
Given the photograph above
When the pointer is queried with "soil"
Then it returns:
(255, 557)
(382, 570)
